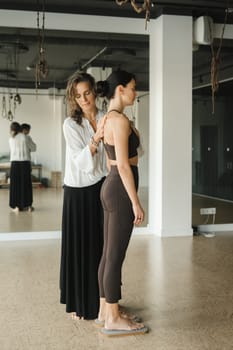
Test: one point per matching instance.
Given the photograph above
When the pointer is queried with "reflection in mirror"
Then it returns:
(45, 110)
(46, 217)
(212, 155)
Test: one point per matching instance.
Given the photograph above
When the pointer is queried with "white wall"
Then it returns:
(44, 113)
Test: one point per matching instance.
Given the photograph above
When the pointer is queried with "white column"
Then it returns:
(170, 151)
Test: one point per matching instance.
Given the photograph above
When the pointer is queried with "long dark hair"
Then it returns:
(74, 110)
(107, 87)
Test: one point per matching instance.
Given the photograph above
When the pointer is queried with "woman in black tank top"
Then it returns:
(133, 144)
(122, 208)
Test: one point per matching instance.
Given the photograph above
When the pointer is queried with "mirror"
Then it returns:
(44, 114)
(44, 109)
(212, 156)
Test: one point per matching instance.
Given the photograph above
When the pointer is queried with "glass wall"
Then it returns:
(212, 161)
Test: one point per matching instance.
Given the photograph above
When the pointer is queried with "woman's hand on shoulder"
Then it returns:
(100, 128)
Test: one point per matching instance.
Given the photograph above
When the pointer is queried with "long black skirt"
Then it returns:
(20, 184)
(81, 250)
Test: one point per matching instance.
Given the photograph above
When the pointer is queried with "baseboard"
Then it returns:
(23, 236)
(215, 228)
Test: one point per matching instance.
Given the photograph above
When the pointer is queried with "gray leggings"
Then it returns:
(118, 226)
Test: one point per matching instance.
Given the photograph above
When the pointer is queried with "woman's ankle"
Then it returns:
(102, 309)
(112, 312)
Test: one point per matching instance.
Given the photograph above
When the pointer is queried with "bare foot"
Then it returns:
(15, 210)
(122, 312)
(30, 209)
(75, 317)
(131, 317)
(121, 323)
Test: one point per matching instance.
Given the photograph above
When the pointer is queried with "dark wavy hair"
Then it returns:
(74, 110)
(15, 128)
(106, 88)
(25, 126)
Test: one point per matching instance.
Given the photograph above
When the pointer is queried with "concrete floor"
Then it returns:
(47, 214)
(48, 209)
(46, 217)
(181, 287)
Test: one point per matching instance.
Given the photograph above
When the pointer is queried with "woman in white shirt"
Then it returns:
(21, 196)
(25, 129)
(82, 219)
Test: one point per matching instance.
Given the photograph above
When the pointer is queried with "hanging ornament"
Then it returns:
(104, 105)
(10, 115)
(17, 98)
(42, 68)
(4, 110)
(146, 6)
(215, 61)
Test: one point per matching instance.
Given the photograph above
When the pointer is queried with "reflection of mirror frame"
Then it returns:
(55, 21)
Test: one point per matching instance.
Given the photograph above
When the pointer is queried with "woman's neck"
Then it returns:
(91, 115)
(117, 106)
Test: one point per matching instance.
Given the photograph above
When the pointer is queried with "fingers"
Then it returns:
(138, 219)
(100, 129)
(102, 122)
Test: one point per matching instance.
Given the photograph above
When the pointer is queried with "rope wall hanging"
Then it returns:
(4, 109)
(146, 6)
(42, 68)
(215, 60)
(12, 71)
(7, 114)
(16, 98)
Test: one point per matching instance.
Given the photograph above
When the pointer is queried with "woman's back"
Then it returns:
(111, 124)
(19, 150)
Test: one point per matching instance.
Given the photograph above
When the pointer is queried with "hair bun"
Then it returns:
(102, 88)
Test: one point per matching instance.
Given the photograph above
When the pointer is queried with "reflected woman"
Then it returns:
(82, 220)
(20, 173)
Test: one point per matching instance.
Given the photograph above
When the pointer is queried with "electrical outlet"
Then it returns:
(208, 211)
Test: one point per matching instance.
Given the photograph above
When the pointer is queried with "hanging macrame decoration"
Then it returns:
(4, 109)
(10, 115)
(215, 61)
(17, 98)
(7, 114)
(146, 6)
(104, 105)
(11, 98)
(42, 68)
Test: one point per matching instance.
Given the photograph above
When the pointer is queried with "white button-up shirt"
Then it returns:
(21, 147)
(82, 168)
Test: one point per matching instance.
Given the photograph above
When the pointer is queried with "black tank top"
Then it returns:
(133, 143)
